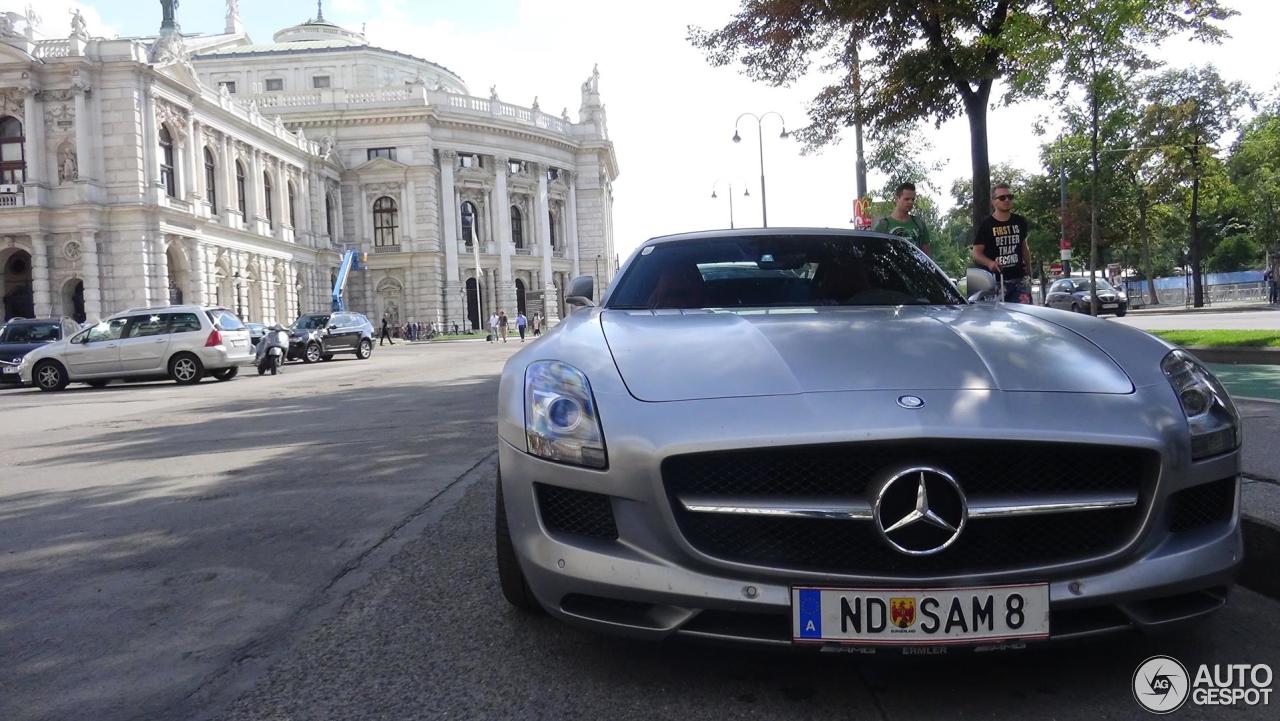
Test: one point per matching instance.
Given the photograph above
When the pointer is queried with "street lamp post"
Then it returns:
(745, 193)
(764, 208)
(597, 276)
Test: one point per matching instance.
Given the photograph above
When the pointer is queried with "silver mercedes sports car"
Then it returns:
(810, 437)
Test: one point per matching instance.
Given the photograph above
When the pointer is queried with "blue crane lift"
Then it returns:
(351, 260)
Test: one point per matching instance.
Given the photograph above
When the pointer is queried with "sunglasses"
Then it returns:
(1005, 197)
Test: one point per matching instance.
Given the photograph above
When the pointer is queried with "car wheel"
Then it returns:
(226, 374)
(312, 354)
(1120, 312)
(326, 357)
(1075, 308)
(49, 376)
(186, 369)
(365, 349)
(514, 586)
(100, 383)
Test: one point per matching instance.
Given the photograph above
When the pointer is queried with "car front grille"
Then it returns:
(1202, 505)
(855, 547)
(580, 513)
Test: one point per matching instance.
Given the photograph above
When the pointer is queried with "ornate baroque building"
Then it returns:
(211, 169)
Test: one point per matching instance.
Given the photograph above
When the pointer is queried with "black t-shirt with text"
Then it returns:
(1001, 240)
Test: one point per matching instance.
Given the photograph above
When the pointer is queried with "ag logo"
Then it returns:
(1161, 684)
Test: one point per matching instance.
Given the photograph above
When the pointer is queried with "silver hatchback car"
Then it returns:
(180, 342)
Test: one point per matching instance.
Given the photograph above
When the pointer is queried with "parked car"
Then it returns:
(1073, 294)
(20, 336)
(318, 336)
(179, 342)
(809, 437)
(256, 332)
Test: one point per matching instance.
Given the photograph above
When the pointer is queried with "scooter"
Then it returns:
(271, 350)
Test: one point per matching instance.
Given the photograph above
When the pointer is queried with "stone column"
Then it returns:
(291, 292)
(90, 275)
(193, 164)
(501, 203)
(198, 282)
(40, 276)
(259, 210)
(160, 271)
(230, 209)
(151, 147)
(281, 201)
(33, 145)
(85, 158)
(454, 308)
(409, 215)
(572, 225)
(549, 310)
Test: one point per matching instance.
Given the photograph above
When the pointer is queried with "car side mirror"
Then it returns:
(581, 292)
(978, 282)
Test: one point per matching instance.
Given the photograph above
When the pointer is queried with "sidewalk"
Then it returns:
(1260, 496)
(1226, 307)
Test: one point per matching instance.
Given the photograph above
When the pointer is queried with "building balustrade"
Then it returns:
(12, 200)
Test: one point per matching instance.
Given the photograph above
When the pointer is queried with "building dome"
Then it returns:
(320, 30)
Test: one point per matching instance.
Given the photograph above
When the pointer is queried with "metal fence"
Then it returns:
(1139, 294)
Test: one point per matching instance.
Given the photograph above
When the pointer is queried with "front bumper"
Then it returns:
(650, 583)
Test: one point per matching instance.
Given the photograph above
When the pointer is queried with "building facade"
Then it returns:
(215, 170)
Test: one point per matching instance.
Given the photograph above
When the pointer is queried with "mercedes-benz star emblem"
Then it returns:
(911, 402)
(921, 511)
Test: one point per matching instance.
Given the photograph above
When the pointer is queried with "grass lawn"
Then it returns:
(1221, 338)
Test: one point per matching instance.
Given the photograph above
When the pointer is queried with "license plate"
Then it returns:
(908, 617)
(1109, 306)
(11, 369)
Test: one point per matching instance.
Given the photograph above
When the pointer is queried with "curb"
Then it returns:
(1261, 556)
(1237, 355)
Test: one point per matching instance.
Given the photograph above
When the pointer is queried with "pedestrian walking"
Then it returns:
(1000, 245)
(1273, 289)
(386, 333)
(503, 324)
(537, 324)
(902, 223)
(521, 324)
(493, 328)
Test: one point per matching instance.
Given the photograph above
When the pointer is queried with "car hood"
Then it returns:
(674, 355)
(15, 351)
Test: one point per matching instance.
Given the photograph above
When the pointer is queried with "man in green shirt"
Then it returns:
(901, 222)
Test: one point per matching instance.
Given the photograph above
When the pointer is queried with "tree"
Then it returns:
(1188, 111)
(1092, 44)
(932, 62)
(1255, 170)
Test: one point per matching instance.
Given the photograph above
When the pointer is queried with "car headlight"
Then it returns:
(560, 418)
(1211, 416)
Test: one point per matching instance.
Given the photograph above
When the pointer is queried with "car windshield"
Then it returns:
(30, 333)
(1083, 284)
(782, 271)
(311, 322)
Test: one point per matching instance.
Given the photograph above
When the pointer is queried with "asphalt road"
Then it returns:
(319, 546)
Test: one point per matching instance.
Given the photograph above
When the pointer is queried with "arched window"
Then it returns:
(243, 207)
(13, 159)
(211, 180)
(517, 227)
(385, 222)
(470, 229)
(328, 214)
(266, 194)
(551, 223)
(166, 163)
(293, 196)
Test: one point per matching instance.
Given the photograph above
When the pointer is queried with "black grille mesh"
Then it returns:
(578, 512)
(1202, 505)
(981, 468)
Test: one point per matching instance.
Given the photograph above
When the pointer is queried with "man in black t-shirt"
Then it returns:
(1000, 245)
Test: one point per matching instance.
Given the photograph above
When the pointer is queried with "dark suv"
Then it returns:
(20, 336)
(318, 336)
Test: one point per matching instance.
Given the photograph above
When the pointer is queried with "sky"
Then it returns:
(671, 115)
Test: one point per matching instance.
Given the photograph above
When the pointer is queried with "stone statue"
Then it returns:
(78, 27)
(326, 147)
(536, 107)
(7, 27)
(170, 8)
(493, 92)
(68, 169)
(564, 114)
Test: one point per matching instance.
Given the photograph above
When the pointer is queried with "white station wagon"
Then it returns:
(179, 342)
